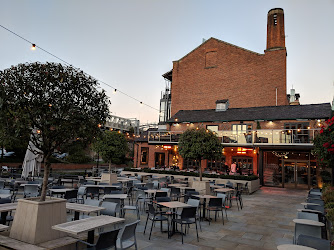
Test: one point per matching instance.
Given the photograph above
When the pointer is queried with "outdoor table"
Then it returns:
(225, 190)
(177, 185)
(174, 205)
(293, 247)
(306, 203)
(5, 208)
(95, 179)
(27, 184)
(3, 227)
(204, 197)
(238, 185)
(77, 208)
(87, 225)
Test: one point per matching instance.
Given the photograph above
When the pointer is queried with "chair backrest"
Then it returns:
(307, 230)
(92, 190)
(113, 200)
(155, 184)
(5, 200)
(316, 207)
(223, 196)
(193, 202)
(71, 194)
(128, 231)
(81, 191)
(107, 239)
(110, 208)
(92, 202)
(160, 194)
(151, 209)
(189, 190)
(316, 201)
(31, 189)
(189, 195)
(188, 212)
(163, 199)
(175, 190)
(165, 189)
(4, 191)
(108, 190)
(149, 185)
(316, 243)
(307, 216)
(215, 202)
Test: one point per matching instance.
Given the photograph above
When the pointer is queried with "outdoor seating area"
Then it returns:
(152, 207)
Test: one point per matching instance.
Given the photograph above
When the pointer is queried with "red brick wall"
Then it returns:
(247, 79)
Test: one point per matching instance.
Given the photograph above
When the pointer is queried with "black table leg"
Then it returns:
(90, 237)
(76, 215)
(3, 217)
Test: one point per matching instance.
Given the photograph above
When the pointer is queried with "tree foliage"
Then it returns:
(324, 144)
(112, 146)
(59, 103)
(199, 145)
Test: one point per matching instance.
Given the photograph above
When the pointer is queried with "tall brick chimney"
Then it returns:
(275, 29)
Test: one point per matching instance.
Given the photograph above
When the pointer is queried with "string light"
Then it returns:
(34, 46)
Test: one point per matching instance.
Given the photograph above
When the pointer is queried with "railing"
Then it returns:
(249, 137)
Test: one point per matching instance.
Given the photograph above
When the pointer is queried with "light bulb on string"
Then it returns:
(33, 47)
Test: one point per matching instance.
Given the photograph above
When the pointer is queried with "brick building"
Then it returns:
(241, 95)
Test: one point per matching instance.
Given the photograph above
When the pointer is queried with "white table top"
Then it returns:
(309, 222)
(83, 208)
(27, 184)
(306, 203)
(8, 207)
(174, 204)
(115, 196)
(223, 190)
(61, 190)
(293, 247)
(5, 196)
(153, 191)
(3, 227)
(204, 196)
(177, 185)
(309, 210)
(85, 225)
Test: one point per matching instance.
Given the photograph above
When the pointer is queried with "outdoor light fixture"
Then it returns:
(115, 90)
(33, 46)
(99, 125)
(141, 102)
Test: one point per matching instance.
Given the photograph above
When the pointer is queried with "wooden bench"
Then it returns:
(10, 243)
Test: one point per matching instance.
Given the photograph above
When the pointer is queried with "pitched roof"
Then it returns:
(269, 113)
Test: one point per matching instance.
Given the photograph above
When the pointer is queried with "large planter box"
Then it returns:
(109, 178)
(252, 185)
(33, 220)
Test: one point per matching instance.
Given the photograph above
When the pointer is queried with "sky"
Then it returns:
(129, 44)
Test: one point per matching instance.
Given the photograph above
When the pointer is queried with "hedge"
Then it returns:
(231, 177)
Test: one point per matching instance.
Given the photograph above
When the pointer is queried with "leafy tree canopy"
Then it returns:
(112, 146)
(199, 144)
(59, 103)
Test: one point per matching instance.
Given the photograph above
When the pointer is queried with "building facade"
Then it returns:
(240, 95)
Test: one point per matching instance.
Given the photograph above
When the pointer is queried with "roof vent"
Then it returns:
(222, 105)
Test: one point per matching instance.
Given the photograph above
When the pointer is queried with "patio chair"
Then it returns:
(107, 190)
(141, 195)
(216, 205)
(71, 195)
(105, 240)
(237, 197)
(306, 229)
(31, 191)
(175, 193)
(129, 193)
(307, 216)
(127, 236)
(313, 242)
(154, 216)
(133, 208)
(160, 194)
(188, 216)
(93, 192)
(224, 199)
(189, 194)
(149, 185)
(81, 194)
(156, 185)
(111, 208)
(119, 207)
(315, 201)
(196, 203)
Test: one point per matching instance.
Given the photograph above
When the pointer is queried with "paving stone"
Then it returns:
(252, 236)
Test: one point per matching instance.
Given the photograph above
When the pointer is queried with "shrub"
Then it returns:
(328, 195)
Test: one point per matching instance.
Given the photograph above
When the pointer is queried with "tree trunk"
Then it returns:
(200, 170)
(332, 176)
(47, 166)
(109, 166)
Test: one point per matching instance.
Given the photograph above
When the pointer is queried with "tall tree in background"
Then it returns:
(112, 146)
(324, 146)
(54, 104)
(199, 145)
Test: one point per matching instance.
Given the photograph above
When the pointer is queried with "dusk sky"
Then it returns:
(130, 44)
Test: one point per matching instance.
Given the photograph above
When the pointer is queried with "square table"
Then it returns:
(87, 225)
(177, 185)
(77, 208)
(225, 190)
(174, 205)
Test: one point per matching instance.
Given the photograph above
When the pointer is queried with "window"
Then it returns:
(275, 19)
(298, 132)
(211, 59)
(241, 128)
(213, 128)
(144, 156)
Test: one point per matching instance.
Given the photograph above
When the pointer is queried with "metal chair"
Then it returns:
(106, 240)
(111, 208)
(127, 236)
(313, 242)
(224, 198)
(81, 194)
(197, 204)
(71, 195)
(188, 216)
(149, 185)
(307, 216)
(31, 191)
(119, 208)
(93, 192)
(175, 193)
(133, 208)
(154, 216)
(189, 194)
(108, 190)
(216, 205)
(307, 228)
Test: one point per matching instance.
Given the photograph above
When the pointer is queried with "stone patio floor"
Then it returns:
(264, 223)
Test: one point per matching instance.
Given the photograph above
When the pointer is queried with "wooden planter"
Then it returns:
(33, 220)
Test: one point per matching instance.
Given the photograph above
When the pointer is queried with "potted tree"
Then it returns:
(113, 147)
(199, 144)
(55, 104)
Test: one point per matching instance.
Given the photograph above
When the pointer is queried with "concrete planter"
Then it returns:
(109, 178)
(252, 185)
(33, 220)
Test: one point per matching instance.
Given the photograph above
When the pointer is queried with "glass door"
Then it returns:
(289, 174)
(301, 171)
(296, 174)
